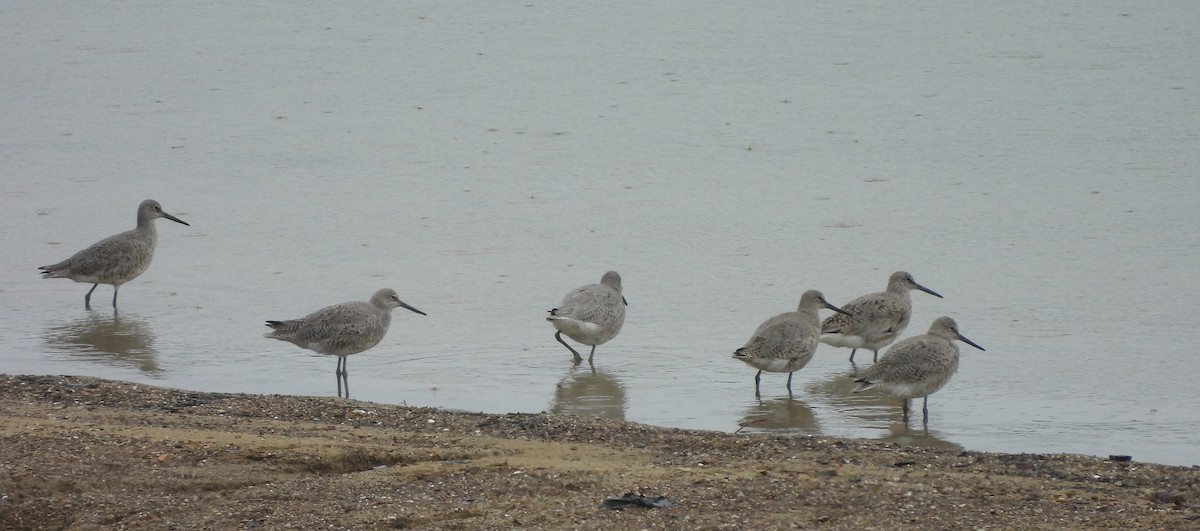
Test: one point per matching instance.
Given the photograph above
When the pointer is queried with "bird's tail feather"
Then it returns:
(50, 271)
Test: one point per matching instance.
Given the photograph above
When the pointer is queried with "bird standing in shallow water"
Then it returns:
(342, 329)
(873, 320)
(786, 342)
(116, 259)
(592, 314)
(918, 366)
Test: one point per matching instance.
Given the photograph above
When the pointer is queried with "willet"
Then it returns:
(592, 314)
(116, 259)
(874, 320)
(786, 342)
(342, 329)
(917, 366)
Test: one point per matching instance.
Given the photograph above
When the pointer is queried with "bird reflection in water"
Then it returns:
(901, 433)
(589, 392)
(875, 411)
(120, 341)
(780, 415)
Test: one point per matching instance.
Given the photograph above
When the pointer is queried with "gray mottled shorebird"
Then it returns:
(342, 329)
(116, 259)
(917, 366)
(786, 342)
(874, 320)
(592, 314)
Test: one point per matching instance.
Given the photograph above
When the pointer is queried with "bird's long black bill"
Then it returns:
(969, 342)
(838, 310)
(175, 219)
(927, 290)
(410, 308)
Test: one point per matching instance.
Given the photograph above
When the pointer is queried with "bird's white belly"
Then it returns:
(774, 364)
(913, 390)
(581, 331)
(843, 340)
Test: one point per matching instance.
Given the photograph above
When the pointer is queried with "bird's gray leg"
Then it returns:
(757, 376)
(876, 356)
(116, 288)
(339, 374)
(906, 411)
(592, 354)
(789, 384)
(852, 351)
(558, 336)
(925, 411)
(87, 299)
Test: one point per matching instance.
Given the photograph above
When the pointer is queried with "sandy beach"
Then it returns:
(85, 453)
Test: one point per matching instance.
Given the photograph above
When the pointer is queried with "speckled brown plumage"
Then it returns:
(917, 366)
(591, 314)
(786, 342)
(342, 329)
(116, 259)
(875, 319)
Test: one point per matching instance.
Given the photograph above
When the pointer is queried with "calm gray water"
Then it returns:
(1033, 162)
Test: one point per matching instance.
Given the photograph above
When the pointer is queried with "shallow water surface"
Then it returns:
(1034, 164)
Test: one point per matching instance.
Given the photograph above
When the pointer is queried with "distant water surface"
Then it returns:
(1033, 162)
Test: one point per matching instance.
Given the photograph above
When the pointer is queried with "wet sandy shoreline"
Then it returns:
(89, 453)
